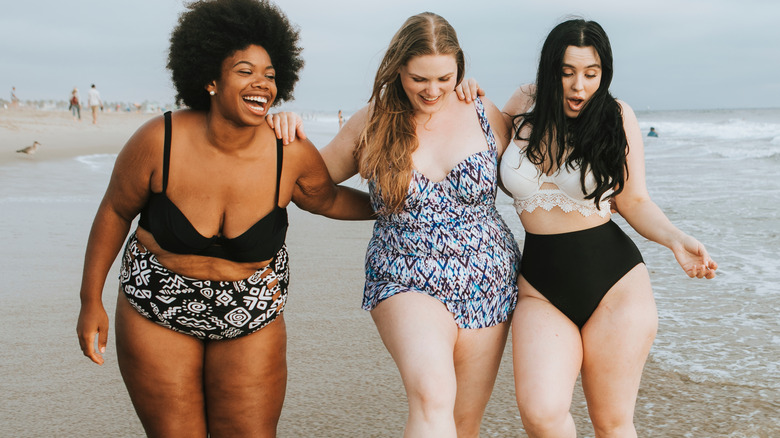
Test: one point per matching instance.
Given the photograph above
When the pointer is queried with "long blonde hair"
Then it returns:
(384, 152)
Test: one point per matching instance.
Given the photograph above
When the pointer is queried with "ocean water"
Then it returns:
(714, 173)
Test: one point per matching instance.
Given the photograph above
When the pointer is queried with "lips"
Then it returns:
(575, 103)
(430, 100)
(256, 103)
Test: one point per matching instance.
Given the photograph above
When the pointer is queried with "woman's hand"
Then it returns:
(694, 259)
(93, 321)
(468, 90)
(286, 125)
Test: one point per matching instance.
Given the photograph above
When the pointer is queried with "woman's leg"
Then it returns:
(163, 372)
(547, 355)
(616, 342)
(477, 358)
(420, 334)
(245, 381)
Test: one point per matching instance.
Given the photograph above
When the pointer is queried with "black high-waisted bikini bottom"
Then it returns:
(575, 270)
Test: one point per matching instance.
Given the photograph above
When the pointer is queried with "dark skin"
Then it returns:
(221, 175)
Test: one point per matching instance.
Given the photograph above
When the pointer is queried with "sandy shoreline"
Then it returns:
(342, 382)
(61, 136)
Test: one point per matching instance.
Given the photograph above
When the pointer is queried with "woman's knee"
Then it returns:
(618, 423)
(541, 414)
(430, 395)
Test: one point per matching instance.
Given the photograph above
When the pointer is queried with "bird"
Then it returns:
(29, 150)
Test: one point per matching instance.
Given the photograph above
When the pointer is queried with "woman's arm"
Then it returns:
(520, 102)
(635, 205)
(339, 154)
(127, 192)
(501, 129)
(316, 192)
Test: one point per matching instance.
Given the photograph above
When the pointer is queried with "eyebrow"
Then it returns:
(270, 67)
(590, 66)
(437, 77)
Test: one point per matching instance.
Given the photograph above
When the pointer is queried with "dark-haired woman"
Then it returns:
(585, 303)
(200, 333)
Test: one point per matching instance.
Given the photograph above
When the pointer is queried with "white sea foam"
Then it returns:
(37, 199)
(98, 162)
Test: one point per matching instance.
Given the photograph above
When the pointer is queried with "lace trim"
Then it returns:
(547, 199)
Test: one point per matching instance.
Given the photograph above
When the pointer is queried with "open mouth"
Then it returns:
(575, 103)
(256, 103)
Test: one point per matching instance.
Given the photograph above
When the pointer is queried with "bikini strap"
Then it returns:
(166, 150)
(279, 153)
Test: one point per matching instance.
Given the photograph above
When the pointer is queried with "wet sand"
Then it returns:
(342, 382)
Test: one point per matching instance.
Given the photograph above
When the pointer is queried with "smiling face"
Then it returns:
(428, 80)
(247, 85)
(581, 77)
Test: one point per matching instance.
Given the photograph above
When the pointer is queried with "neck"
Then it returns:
(228, 136)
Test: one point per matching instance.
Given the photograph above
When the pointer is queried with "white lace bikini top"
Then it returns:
(524, 181)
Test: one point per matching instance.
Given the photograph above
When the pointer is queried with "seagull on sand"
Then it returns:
(29, 150)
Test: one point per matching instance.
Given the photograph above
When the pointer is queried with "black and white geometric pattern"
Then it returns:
(203, 308)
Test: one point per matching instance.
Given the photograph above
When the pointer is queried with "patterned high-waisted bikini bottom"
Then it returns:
(205, 309)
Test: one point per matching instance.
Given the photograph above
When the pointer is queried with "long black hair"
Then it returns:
(595, 140)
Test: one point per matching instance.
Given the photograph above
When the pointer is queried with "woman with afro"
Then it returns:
(200, 334)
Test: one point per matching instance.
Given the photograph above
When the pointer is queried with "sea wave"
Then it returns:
(76, 199)
(98, 162)
(732, 129)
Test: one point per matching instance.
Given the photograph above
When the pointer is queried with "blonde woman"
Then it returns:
(442, 266)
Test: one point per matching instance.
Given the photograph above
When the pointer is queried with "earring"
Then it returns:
(212, 92)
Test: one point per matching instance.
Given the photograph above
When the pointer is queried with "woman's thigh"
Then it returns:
(616, 341)
(245, 381)
(477, 358)
(420, 334)
(546, 354)
(163, 372)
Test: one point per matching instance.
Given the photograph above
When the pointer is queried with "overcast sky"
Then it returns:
(669, 54)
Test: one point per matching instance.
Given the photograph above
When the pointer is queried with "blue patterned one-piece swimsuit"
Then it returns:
(448, 242)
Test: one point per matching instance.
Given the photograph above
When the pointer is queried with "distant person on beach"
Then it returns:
(586, 304)
(442, 266)
(14, 99)
(341, 120)
(75, 104)
(200, 333)
(652, 132)
(94, 102)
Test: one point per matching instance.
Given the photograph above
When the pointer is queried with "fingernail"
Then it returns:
(102, 349)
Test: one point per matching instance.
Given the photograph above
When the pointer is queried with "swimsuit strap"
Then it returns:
(279, 153)
(485, 124)
(166, 150)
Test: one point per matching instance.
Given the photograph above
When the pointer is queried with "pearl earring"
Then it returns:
(212, 92)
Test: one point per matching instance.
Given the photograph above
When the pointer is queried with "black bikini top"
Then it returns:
(174, 232)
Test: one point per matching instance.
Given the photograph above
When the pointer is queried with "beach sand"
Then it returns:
(342, 382)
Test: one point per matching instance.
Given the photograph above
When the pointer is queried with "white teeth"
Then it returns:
(257, 99)
(429, 99)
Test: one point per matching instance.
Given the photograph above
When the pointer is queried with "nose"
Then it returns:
(576, 84)
(261, 82)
